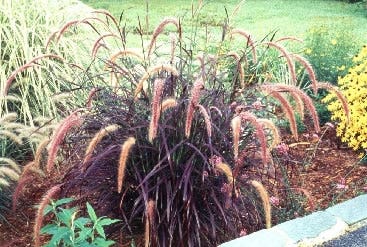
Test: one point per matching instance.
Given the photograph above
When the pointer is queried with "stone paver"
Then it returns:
(263, 238)
(351, 211)
(315, 228)
(308, 227)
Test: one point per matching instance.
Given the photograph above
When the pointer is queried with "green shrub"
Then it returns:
(329, 50)
(67, 229)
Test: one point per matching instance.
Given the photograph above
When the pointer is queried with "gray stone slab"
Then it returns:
(351, 211)
(309, 226)
(264, 238)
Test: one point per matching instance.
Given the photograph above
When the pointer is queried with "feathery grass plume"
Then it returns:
(260, 134)
(156, 110)
(8, 117)
(74, 22)
(72, 120)
(300, 108)
(63, 29)
(22, 182)
(15, 138)
(150, 72)
(94, 142)
(50, 194)
(226, 170)
(7, 161)
(286, 107)
(168, 103)
(6, 171)
(207, 120)
(339, 95)
(12, 77)
(31, 168)
(217, 110)
(50, 38)
(306, 99)
(27, 65)
(97, 43)
(250, 42)
(288, 58)
(107, 14)
(149, 221)
(289, 38)
(240, 70)
(91, 95)
(159, 29)
(124, 53)
(122, 161)
(270, 125)
(265, 200)
(311, 73)
(236, 130)
(24, 178)
(194, 100)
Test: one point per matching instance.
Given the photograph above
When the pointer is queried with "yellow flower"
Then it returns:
(334, 42)
(308, 51)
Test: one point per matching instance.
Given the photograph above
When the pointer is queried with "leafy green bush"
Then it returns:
(67, 229)
(329, 50)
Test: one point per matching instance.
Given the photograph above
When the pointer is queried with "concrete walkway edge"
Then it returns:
(311, 230)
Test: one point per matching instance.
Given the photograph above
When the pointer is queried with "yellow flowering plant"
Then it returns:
(330, 49)
(353, 85)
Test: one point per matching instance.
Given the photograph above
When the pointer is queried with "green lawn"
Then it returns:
(259, 17)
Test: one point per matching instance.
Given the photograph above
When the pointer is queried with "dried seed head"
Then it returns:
(125, 149)
(168, 103)
(150, 72)
(156, 110)
(286, 107)
(149, 221)
(226, 170)
(194, 100)
(275, 132)
(288, 58)
(250, 42)
(236, 130)
(207, 120)
(97, 139)
(159, 30)
(311, 73)
(265, 200)
(247, 116)
(338, 94)
(50, 194)
(72, 120)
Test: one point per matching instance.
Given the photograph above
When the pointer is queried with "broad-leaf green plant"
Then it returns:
(69, 229)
